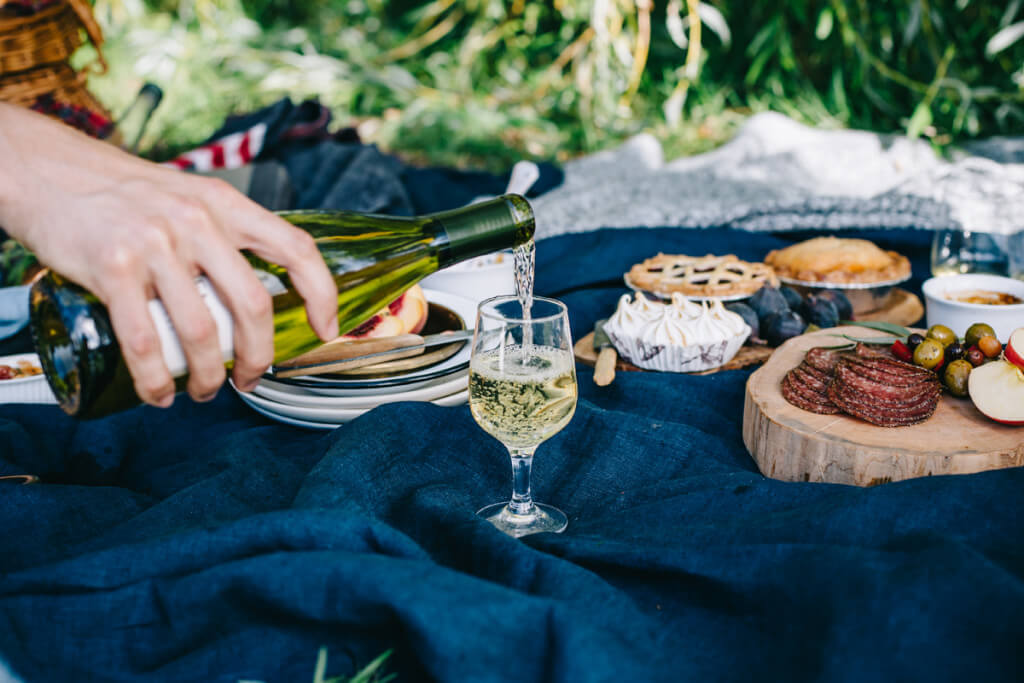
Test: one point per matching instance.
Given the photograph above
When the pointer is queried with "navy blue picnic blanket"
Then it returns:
(207, 543)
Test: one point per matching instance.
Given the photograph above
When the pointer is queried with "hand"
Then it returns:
(129, 231)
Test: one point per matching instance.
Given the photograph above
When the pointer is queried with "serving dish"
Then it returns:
(326, 418)
(31, 389)
(478, 279)
(959, 315)
(385, 380)
(864, 297)
(362, 399)
(667, 296)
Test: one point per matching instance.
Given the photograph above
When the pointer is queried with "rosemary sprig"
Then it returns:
(891, 328)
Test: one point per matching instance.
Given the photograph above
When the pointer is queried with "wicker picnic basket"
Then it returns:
(34, 53)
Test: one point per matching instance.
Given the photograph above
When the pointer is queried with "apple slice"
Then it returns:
(1014, 351)
(997, 390)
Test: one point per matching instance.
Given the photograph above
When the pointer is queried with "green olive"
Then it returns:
(928, 353)
(941, 334)
(955, 377)
(976, 332)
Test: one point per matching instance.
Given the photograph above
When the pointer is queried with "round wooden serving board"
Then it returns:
(795, 445)
(904, 309)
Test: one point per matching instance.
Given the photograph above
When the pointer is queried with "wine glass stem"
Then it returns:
(522, 462)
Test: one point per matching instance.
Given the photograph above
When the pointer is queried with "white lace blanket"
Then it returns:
(777, 174)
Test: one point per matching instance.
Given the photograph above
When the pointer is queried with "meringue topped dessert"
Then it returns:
(680, 336)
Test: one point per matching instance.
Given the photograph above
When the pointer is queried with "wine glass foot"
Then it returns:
(541, 518)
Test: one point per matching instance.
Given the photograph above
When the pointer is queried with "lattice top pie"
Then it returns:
(838, 260)
(700, 275)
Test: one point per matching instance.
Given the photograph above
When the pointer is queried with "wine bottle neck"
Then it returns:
(485, 228)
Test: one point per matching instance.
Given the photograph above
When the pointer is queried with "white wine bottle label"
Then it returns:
(174, 356)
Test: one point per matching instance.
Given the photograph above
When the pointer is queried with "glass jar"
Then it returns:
(973, 251)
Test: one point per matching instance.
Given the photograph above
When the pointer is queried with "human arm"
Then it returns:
(129, 230)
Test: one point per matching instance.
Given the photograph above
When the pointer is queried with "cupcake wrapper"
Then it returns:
(668, 358)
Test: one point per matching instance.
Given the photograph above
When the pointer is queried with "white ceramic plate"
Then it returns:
(297, 396)
(326, 418)
(328, 385)
(32, 389)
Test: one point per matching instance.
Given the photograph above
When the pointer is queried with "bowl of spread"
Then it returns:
(959, 301)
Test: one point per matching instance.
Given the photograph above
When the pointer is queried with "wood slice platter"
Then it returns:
(904, 308)
(795, 445)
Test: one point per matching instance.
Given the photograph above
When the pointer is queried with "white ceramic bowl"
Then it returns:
(31, 389)
(477, 279)
(958, 316)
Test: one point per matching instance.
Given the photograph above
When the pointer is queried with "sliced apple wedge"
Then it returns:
(1014, 351)
(997, 390)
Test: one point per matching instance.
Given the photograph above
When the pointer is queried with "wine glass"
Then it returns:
(522, 391)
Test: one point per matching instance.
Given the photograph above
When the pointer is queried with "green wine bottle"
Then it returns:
(373, 259)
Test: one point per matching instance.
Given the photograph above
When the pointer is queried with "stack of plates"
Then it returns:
(327, 401)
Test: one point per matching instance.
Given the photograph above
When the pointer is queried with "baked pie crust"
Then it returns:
(697, 276)
(839, 261)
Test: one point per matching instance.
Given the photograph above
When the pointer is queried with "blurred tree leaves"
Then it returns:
(486, 82)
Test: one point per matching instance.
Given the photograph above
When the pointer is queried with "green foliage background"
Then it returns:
(486, 82)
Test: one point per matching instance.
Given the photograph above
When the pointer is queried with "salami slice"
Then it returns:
(823, 359)
(856, 378)
(805, 399)
(853, 403)
(864, 383)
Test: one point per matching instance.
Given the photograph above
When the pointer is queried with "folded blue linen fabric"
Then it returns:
(205, 543)
(13, 310)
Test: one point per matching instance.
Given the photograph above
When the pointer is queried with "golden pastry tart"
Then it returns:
(838, 260)
(698, 276)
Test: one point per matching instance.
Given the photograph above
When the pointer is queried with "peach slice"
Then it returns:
(406, 314)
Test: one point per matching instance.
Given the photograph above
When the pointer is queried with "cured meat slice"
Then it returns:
(823, 377)
(891, 371)
(801, 388)
(854, 377)
(821, 402)
(864, 383)
(805, 399)
(846, 396)
(823, 359)
(808, 378)
(865, 351)
(883, 417)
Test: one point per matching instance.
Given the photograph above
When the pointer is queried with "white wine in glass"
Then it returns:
(522, 391)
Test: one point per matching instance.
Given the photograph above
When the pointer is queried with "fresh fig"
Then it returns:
(749, 317)
(782, 326)
(821, 312)
(767, 302)
(793, 298)
(843, 306)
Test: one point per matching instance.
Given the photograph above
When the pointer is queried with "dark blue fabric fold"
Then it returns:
(205, 543)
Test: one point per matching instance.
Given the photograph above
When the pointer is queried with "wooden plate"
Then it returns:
(795, 445)
(439, 319)
(904, 309)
